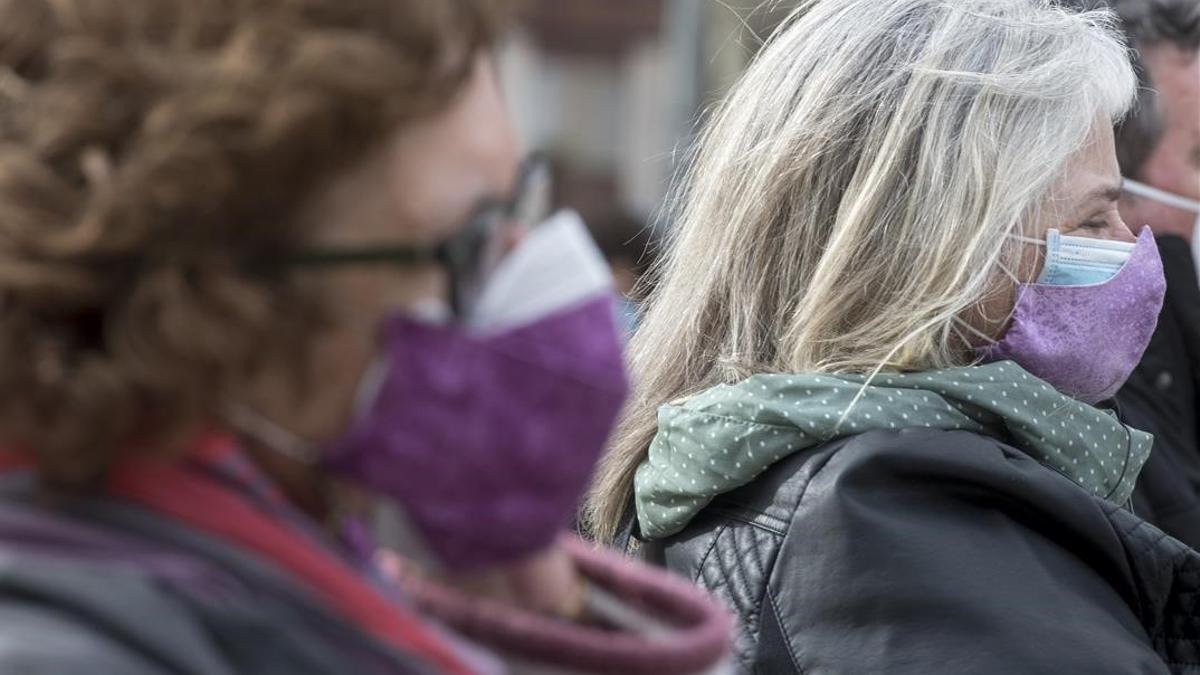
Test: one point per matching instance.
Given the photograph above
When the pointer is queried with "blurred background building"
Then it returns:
(612, 90)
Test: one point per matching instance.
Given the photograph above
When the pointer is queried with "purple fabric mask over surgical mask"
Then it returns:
(1086, 340)
(485, 435)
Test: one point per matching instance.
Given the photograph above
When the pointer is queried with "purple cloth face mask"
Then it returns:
(485, 439)
(1086, 340)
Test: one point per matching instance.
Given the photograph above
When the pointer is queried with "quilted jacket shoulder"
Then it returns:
(925, 551)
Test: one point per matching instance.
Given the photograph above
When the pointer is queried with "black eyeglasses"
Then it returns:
(470, 255)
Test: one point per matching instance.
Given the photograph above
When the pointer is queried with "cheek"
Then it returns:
(338, 360)
(997, 309)
(412, 289)
(364, 297)
(1033, 259)
(991, 317)
(360, 301)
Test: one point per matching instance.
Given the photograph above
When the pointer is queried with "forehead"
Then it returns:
(440, 168)
(426, 180)
(1095, 165)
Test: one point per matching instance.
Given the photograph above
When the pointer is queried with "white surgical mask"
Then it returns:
(1170, 199)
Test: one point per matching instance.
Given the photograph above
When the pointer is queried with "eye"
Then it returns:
(1094, 225)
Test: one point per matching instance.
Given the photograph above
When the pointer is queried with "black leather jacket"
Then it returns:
(925, 551)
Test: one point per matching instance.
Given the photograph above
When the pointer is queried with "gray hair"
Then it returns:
(855, 194)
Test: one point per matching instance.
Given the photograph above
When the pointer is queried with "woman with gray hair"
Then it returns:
(871, 410)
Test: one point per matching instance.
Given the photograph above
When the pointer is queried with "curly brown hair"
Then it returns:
(147, 149)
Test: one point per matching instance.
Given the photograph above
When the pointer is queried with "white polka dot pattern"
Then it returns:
(724, 437)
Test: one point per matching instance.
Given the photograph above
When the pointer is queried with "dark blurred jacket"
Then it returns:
(1160, 398)
(201, 567)
(106, 588)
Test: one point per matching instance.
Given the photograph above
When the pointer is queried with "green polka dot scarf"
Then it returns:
(724, 437)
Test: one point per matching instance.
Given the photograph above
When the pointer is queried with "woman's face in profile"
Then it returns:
(1084, 204)
(1086, 198)
(421, 187)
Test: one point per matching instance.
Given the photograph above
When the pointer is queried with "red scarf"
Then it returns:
(201, 502)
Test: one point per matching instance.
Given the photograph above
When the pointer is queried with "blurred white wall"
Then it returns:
(623, 115)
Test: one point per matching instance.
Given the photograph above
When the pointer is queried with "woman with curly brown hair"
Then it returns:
(267, 271)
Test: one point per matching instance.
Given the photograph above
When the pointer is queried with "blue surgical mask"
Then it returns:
(1081, 261)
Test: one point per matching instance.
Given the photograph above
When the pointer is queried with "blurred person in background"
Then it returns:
(269, 268)
(626, 243)
(871, 380)
(1158, 147)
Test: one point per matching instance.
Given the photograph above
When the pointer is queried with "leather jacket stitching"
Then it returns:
(786, 643)
(708, 553)
(738, 514)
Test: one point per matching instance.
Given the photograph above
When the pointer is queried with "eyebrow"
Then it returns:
(1107, 193)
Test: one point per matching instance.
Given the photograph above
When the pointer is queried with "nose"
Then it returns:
(1124, 233)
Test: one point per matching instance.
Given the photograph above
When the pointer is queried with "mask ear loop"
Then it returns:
(988, 339)
(960, 324)
(371, 385)
(1170, 199)
(1160, 196)
(257, 426)
(1028, 240)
